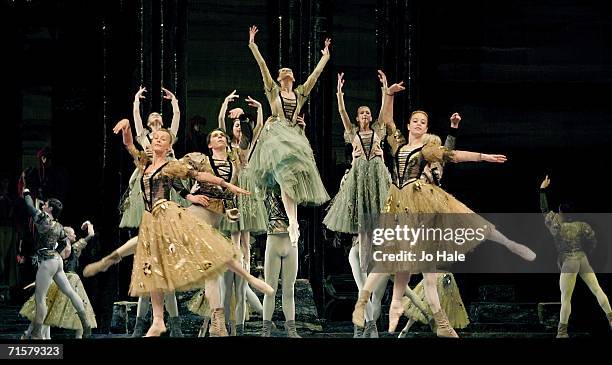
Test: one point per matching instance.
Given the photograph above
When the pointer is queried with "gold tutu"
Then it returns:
(450, 301)
(421, 203)
(60, 311)
(177, 251)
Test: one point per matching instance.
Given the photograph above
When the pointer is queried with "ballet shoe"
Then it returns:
(395, 312)
(217, 324)
(444, 329)
(562, 331)
(157, 329)
(360, 306)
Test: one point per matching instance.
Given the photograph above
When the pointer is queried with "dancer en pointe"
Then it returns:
(283, 156)
(252, 213)
(132, 208)
(176, 250)
(361, 196)
(410, 195)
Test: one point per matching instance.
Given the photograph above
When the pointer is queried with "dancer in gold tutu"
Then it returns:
(410, 195)
(60, 312)
(176, 250)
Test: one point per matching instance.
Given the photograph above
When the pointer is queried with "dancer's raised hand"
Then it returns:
(252, 31)
(139, 94)
(340, 82)
(121, 126)
(168, 95)
(325, 51)
(252, 102)
(545, 183)
(455, 119)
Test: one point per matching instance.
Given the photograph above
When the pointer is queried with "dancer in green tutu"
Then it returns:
(283, 154)
(252, 212)
(362, 195)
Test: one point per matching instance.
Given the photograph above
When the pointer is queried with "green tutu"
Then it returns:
(283, 156)
(360, 198)
(133, 205)
(253, 214)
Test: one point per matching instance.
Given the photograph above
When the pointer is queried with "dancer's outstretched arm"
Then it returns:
(543, 198)
(386, 112)
(346, 121)
(314, 76)
(176, 113)
(231, 97)
(260, 119)
(265, 72)
(136, 111)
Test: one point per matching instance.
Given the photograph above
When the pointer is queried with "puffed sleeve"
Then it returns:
(434, 152)
(140, 157)
(395, 138)
(180, 170)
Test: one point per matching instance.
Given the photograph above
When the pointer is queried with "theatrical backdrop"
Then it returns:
(530, 78)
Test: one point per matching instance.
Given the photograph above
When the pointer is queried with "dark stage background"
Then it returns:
(530, 79)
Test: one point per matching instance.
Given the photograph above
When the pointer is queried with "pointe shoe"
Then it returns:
(102, 265)
(444, 329)
(358, 331)
(360, 306)
(266, 328)
(523, 251)
(294, 233)
(370, 330)
(139, 327)
(175, 327)
(85, 324)
(562, 331)
(36, 333)
(261, 285)
(291, 329)
(609, 316)
(157, 329)
(217, 324)
(395, 312)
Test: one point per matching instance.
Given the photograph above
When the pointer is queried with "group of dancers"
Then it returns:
(195, 216)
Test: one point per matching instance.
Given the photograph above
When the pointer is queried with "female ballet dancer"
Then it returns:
(133, 206)
(176, 250)
(409, 194)
(362, 195)
(282, 155)
(252, 212)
